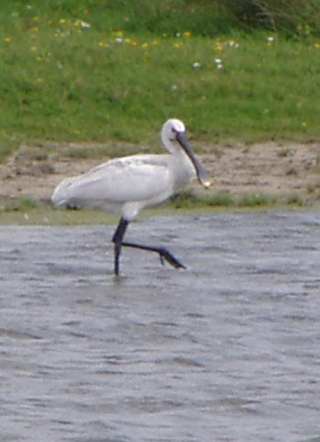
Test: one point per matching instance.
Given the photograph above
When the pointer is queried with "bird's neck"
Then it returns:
(184, 169)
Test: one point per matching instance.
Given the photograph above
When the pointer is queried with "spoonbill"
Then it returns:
(127, 185)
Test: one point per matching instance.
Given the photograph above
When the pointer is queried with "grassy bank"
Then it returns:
(89, 70)
(25, 211)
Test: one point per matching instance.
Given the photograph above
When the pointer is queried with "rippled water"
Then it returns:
(228, 350)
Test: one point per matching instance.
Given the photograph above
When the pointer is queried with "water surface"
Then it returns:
(228, 350)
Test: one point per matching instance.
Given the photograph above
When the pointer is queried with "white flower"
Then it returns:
(270, 39)
(196, 65)
(233, 44)
(219, 63)
(119, 40)
(84, 24)
(174, 87)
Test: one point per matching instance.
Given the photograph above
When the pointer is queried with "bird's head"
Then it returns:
(174, 137)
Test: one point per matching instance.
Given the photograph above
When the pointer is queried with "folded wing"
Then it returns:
(136, 178)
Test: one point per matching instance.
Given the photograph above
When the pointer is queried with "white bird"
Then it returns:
(127, 185)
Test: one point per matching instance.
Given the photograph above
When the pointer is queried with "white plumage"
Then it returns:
(127, 185)
(124, 185)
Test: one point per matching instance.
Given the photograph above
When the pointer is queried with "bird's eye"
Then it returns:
(173, 134)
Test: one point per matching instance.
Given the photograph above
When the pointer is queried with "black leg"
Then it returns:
(164, 254)
(117, 238)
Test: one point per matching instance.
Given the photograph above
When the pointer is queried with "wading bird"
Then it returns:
(127, 185)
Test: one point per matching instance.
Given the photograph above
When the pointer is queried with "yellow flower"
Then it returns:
(118, 34)
(317, 45)
(103, 44)
(187, 34)
(7, 39)
(177, 45)
(145, 45)
(218, 46)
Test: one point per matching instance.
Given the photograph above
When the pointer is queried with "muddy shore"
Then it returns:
(274, 169)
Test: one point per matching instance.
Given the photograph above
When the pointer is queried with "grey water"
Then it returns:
(227, 350)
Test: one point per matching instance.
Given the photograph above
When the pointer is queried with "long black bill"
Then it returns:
(201, 172)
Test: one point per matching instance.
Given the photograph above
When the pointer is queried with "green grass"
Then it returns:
(108, 70)
(256, 200)
(293, 17)
(188, 200)
(25, 211)
(44, 215)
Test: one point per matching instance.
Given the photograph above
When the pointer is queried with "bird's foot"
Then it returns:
(165, 255)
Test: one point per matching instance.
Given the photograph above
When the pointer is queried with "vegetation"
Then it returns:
(293, 17)
(187, 200)
(97, 70)
(28, 211)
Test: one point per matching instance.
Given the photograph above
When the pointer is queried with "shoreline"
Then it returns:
(48, 216)
(261, 176)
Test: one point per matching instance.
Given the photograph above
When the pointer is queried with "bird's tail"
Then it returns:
(61, 194)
